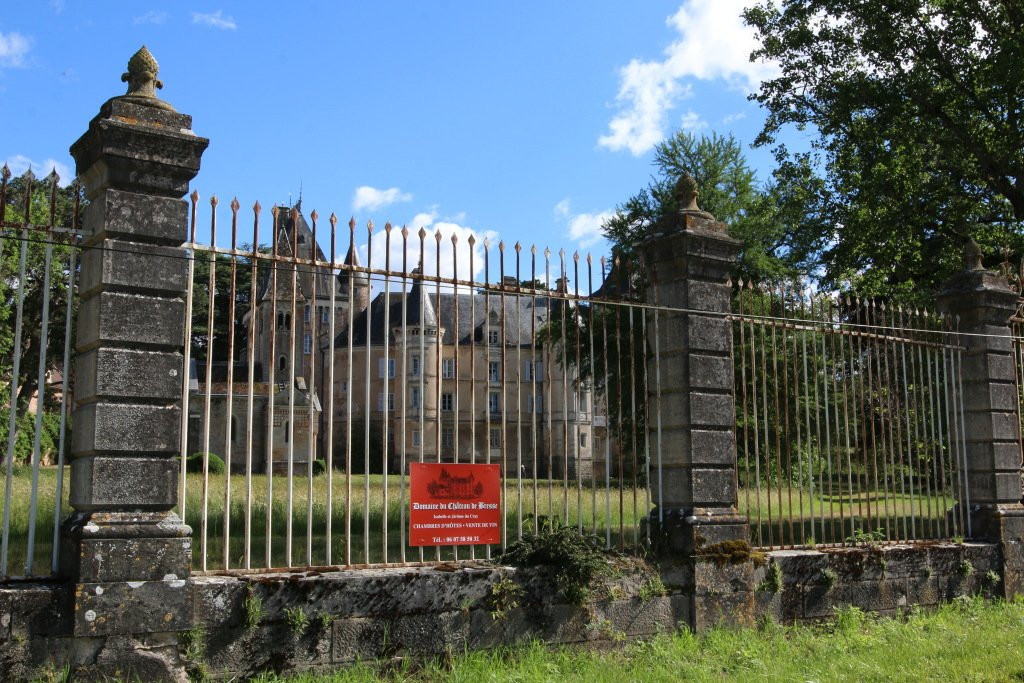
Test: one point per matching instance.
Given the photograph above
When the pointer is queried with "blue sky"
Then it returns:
(520, 121)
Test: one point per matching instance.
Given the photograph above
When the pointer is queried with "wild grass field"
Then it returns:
(780, 515)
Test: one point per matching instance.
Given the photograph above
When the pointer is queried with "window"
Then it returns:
(495, 438)
(325, 315)
(492, 337)
(583, 439)
(234, 427)
(417, 438)
(447, 402)
(280, 321)
(494, 402)
(415, 366)
(448, 368)
(415, 402)
(390, 399)
(535, 405)
(287, 321)
(583, 403)
(286, 430)
(493, 371)
(534, 370)
(281, 363)
(305, 314)
(447, 437)
(389, 368)
(307, 344)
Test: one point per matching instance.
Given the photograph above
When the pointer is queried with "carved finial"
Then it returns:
(142, 81)
(973, 256)
(352, 223)
(687, 193)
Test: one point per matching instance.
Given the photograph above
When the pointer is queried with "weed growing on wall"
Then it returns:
(576, 558)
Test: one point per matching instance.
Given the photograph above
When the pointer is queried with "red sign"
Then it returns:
(454, 504)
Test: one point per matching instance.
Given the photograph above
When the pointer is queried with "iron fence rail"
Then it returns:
(350, 372)
(38, 284)
(850, 424)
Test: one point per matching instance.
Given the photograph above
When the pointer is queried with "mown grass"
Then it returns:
(614, 514)
(969, 640)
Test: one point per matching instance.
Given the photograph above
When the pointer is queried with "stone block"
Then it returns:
(32, 610)
(712, 410)
(123, 373)
(732, 610)
(99, 483)
(708, 334)
(994, 426)
(129, 607)
(111, 265)
(358, 638)
(820, 601)
(910, 561)
(117, 214)
(685, 487)
(430, 634)
(638, 617)
(923, 591)
(711, 372)
(126, 429)
(799, 566)
(708, 296)
(990, 488)
(218, 601)
(130, 320)
(104, 560)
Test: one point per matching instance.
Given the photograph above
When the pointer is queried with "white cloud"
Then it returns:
(584, 228)
(13, 48)
(19, 163)
(453, 256)
(372, 199)
(692, 121)
(731, 118)
(154, 17)
(215, 20)
(713, 44)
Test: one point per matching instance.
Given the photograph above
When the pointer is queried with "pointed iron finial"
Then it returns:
(28, 176)
(5, 172)
(53, 178)
(333, 220)
(501, 246)
(472, 239)
(487, 243)
(214, 201)
(235, 205)
(518, 247)
(405, 233)
(352, 223)
(455, 239)
(387, 226)
(369, 226)
(313, 216)
(973, 256)
(256, 208)
(422, 233)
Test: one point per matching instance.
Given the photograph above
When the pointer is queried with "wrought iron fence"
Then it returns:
(39, 236)
(318, 380)
(850, 424)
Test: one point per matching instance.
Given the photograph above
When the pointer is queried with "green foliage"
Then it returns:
(772, 582)
(195, 463)
(297, 620)
(992, 578)
(913, 106)
(24, 435)
(319, 467)
(654, 587)
(966, 568)
(193, 642)
(324, 620)
(503, 597)
(829, 576)
(575, 558)
(253, 608)
(42, 204)
(868, 538)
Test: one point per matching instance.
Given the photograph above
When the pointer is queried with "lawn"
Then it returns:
(969, 640)
(370, 531)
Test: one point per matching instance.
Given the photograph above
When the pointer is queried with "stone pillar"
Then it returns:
(689, 263)
(984, 304)
(124, 547)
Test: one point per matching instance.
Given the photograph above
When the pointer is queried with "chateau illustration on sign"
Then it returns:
(454, 504)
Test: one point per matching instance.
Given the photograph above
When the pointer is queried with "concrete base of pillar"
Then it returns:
(687, 532)
(129, 570)
(1003, 524)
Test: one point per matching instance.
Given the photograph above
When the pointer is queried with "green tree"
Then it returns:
(915, 105)
(31, 210)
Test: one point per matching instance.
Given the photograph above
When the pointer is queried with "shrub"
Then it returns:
(577, 558)
(195, 463)
(319, 467)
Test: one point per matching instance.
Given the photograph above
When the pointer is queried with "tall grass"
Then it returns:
(964, 641)
(614, 514)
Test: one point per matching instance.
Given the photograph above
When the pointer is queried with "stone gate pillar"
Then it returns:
(984, 304)
(124, 548)
(689, 262)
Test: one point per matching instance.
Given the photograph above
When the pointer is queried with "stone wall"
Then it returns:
(240, 625)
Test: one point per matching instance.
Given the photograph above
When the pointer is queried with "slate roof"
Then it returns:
(521, 312)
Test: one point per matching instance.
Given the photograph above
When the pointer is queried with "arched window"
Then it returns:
(287, 321)
(234, 428)
(281, 363)
(286, 432)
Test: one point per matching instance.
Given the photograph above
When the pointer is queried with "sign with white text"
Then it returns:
(454, 504)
